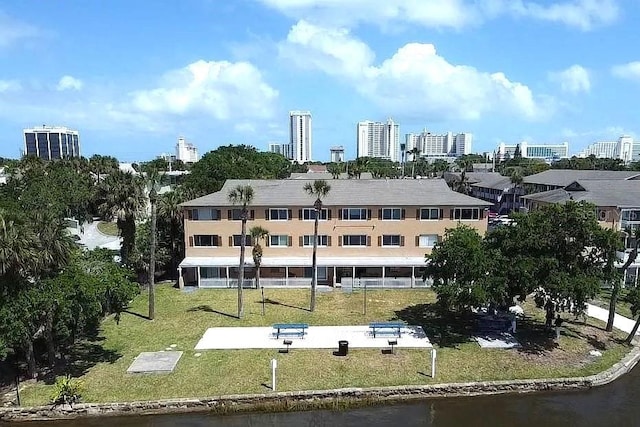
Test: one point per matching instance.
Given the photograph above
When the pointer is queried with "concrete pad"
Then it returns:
(316, 337)
(497, 340)
(155, 362)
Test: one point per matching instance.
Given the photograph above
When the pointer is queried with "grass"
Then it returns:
(108, 228)
(622, 306)
(182, 318)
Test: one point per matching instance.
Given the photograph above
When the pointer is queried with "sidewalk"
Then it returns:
(619, 322)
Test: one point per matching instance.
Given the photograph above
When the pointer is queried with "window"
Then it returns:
(429, 214)
(211, 273)
(279, 240)
(278, 214)
(354, 214)
(206, 240)
(237, 240)
(390, 214)
(427, 240)
(466, 213)
(354, 240)
(204, 214)
(307, 241)
(392, 240)
(309, 214)
(235, 214)
(630, 215)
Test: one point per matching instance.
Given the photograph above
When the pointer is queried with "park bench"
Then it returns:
(388, 327)
(288, 329)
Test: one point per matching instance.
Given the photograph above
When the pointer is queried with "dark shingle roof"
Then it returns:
(351, 192)
(599, 192)
(564, 177)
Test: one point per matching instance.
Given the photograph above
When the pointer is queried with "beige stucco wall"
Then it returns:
(410, 227)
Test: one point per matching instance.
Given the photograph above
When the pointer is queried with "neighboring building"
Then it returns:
(280, 148)
(327, 175)
(371, 232)
(617, 206)
(186, 151)
(167, 157)
(379, 140)
(3, 176)
(559, 178)
(433, 146)
(546, 152)
(50, 143)
(625, 149)
(498, 190)
(300, 137)
(337, 154)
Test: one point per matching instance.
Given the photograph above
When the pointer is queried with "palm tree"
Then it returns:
(153, 182)
(242, 195)
(123, 199)
(319, 189)
(170, 213)
(516, 180)
(415, 152)
(257, 233)
(403, 149)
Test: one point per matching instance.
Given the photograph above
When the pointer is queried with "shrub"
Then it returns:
(66, 391)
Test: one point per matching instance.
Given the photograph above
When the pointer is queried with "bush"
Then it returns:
(66, 391)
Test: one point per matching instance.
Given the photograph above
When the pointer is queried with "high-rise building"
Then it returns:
(51, 143)
(600, 149)
(337, 154)
(625, 149)
(378, 139)
(186, 151)
(300, 136)
(547, 152)
(438, 146)
(280, 148)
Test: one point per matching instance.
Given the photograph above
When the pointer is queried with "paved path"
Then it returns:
(92, 238)
(619, 322)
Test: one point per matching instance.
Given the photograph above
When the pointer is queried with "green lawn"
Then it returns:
(182, 318)
(108, 228)
(622, 306)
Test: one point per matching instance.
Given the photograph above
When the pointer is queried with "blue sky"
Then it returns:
(132, 77)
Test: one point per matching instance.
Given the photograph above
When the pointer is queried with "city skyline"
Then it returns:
(468, 66)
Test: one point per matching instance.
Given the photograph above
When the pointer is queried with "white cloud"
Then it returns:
(9, 85)
(630, 71)
(12, 30)
(220, 89)
(69, 83)
(414, 81)
(456, 14)
(574, 79)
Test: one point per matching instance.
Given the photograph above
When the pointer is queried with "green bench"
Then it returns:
(288, 329)
(387, 328)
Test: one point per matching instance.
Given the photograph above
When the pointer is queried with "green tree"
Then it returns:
(153, 178)
(170, 223)
(123, 199)
(257, 233)
(335, 169)
(516, 181)
(242, 196)
(318, 190)
(415, 152)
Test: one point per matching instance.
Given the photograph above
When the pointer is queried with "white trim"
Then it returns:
(276, 261)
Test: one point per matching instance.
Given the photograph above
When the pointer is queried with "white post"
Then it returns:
(180, 278)
(198, 271)
(433, 362)
(274, 366)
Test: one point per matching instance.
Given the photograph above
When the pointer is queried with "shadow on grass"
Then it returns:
(592, 339)
(82, 356)
(534, 337)
(274, 302)
(208, 309)
(445, 328)
(133, 313)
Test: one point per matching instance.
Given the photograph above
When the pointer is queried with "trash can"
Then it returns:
(343, 348)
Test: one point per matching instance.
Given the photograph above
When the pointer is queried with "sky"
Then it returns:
(132, 76)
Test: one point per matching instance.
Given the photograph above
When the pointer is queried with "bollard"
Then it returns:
(274, 366)
(433, 362)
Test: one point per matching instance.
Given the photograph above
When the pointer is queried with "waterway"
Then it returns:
(616, 404)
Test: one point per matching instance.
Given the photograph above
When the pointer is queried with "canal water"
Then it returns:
(616, 404)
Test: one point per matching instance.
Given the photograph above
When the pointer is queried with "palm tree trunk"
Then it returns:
(31, 358)
(633, 332)
(128, 232)
(258, 276)
(413, 168)
(615, 291)
(314, 262)
(152, 261)
(241, 267)
(48, 335)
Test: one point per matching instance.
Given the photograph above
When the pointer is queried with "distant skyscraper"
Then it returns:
(51, 143)
(547, 152)
(337, 154)
(279, 148)
(625, 149)
(377, 139)
(186, 151)
(300, 136)
(434, 146)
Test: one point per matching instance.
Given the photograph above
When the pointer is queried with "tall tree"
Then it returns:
(318, 190)
(123, 199)
(242, 196)
(516, 181)
(617, 280)
(257, 233)
(415, 152)
(153, 183)
(170, 218)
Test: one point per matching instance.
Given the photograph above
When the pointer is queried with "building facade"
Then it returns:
(438, 146)
(625, 149)
(373, 232)
(50, 143)
(546, 152)
(337, 154)
(300, 136)
(378, 139)
(186, 151)
(280, 148)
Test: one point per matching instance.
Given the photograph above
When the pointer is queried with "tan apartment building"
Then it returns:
(370, 233)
